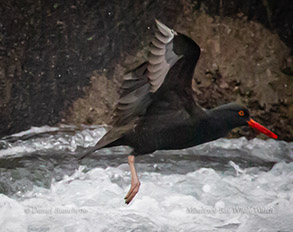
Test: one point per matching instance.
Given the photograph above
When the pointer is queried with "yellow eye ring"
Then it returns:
(241, 113)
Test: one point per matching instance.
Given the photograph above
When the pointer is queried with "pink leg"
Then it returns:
(134, 181)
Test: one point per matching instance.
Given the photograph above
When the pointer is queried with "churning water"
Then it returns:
(226, 185)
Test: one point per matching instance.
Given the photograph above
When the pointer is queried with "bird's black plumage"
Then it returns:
(156, 109)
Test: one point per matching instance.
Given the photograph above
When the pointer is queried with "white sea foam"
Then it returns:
(93, 201)
(64, 138)
(203, 199)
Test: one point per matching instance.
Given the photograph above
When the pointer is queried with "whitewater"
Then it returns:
(227, 185)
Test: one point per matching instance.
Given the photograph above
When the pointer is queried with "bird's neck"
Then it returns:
(219, 122)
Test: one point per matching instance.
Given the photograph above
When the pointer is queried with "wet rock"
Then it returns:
(63, 62)
(49, 51)
(287, 67)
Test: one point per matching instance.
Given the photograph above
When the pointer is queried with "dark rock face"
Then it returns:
(64, 60)
(275, 15)
(50, 48)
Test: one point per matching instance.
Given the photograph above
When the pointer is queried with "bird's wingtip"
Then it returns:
(157, 21)
(164, 29)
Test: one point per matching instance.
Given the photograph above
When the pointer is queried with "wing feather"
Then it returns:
(161, 57)
(141, 84)
(157, 43)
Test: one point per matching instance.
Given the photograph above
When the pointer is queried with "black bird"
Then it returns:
(156, 109)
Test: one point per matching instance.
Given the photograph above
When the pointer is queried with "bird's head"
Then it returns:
(236, 115)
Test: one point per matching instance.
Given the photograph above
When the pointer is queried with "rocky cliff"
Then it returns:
(62, 62)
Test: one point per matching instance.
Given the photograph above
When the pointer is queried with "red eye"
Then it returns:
(241, 113)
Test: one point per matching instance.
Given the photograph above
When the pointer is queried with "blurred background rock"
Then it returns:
(62, 62)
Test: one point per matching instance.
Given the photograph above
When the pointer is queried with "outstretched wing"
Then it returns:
(162, 56)
(141, 85)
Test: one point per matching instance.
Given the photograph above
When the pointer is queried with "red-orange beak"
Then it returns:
(261, 129)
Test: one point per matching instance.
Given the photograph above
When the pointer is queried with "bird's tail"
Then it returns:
(87, 152)
(108, 140)
(92, 149)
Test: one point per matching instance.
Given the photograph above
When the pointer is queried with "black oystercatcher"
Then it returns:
(156, 109)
